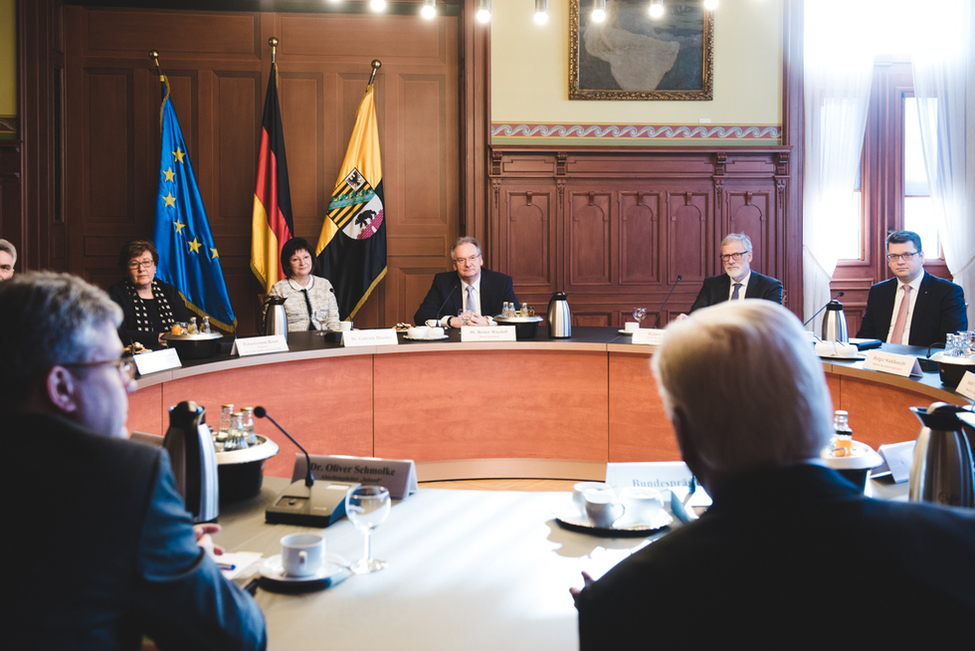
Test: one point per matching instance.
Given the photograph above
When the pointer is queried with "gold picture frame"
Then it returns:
(630, 56)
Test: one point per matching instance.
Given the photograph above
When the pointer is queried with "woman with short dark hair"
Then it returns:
(309, 300)
(149, 306)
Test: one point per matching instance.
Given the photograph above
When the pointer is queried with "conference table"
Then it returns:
(467, 570)
(543, 408)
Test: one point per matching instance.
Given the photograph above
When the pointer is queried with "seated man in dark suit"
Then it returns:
(914, 308)
(739, 281)
(470, 290)
(106, 552)
(790, 554)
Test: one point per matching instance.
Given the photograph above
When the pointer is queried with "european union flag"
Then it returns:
(188, 257)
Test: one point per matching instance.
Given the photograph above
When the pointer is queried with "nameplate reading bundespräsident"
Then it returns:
(903, 365)
(662, 475)
(487, 333)
(398, 476)
(375, 337)
(157, 360)
(967, 385)
(245, 346)
(648, 336)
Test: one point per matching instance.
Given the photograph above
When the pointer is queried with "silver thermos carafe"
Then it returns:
(275, 318)
(559, 318)
(942, 470)
(834, 323)
(194, 460)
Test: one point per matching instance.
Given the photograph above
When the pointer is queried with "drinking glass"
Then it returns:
(366, 508)
(639, 313)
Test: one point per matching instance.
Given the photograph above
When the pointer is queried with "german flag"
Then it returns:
(271, 225)
(352, 247)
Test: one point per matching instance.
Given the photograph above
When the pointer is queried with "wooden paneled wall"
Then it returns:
(218, 65)
(615, 229)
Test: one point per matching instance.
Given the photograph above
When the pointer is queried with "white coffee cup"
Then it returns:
(602, 508)
(435, 333)
(631, 326)
(418, 332)
(432, 323)
(642, 504)
(578, 489)
(345, 326)
(302, 554)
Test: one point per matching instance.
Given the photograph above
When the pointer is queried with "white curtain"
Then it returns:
(944, 84)
(837, 70)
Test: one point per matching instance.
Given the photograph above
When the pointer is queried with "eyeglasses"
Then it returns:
(733, 256)
(125, 367)
(141, 264)
(906, 257)
(471, 259)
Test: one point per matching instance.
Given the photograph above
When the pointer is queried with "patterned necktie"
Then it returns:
(471, 305)
(898, 334)
(734, 296)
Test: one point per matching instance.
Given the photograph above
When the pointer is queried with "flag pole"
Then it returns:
(154, 55)
(273, 42)
(376, 64)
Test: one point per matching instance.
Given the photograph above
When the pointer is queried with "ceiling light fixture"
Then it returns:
(377, 5)
(598, 11)
(483, 11)
(656, 8)
(429, 9)
(541, 11)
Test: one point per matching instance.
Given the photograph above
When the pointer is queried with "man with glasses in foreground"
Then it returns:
(739, 281)
(790, 554)
(106, 551)
(469, 294)
(913, 308)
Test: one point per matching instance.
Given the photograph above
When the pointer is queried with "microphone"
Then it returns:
(442, 305)
(657, 320)
(261, 412)
(821, 309)
(306, 503)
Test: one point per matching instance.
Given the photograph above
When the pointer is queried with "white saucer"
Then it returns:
(626, 332)
(573, 520)
(844, 358)
(272, 570)
(425, 338)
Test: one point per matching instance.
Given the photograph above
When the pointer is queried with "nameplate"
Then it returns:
(246, 346)
(662, 475)
(898, 458)
(903, 365)
(967, 385)
(648, 336)
(157, 360)
(375, 337)
(398, 476)
(487, 333)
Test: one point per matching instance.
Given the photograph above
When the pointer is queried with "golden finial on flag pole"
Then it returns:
(273, 42)
(376, 64)
(154, 55)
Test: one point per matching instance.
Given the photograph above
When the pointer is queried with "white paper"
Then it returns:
(903, 365)
(375, 337)
(245, 346)
(157, 360)
(487, 333)
(899, 457)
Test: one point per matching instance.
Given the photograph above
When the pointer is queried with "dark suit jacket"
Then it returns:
(938, 310)
(716, 290)
(446, 297)
(793, 558)
(119, 293)
(103, 550)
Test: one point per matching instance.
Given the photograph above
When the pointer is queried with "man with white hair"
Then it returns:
(790, 553)
(738, 282)
(8, 258)
(105, 551)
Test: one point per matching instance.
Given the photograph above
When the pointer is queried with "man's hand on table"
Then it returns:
(203, 539)
(575, 592)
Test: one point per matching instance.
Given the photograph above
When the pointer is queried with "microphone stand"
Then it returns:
(656, 321)
(306, 503)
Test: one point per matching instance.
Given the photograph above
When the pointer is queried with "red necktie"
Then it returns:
(898, 334)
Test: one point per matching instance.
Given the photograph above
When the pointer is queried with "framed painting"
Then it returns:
(631, 56)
